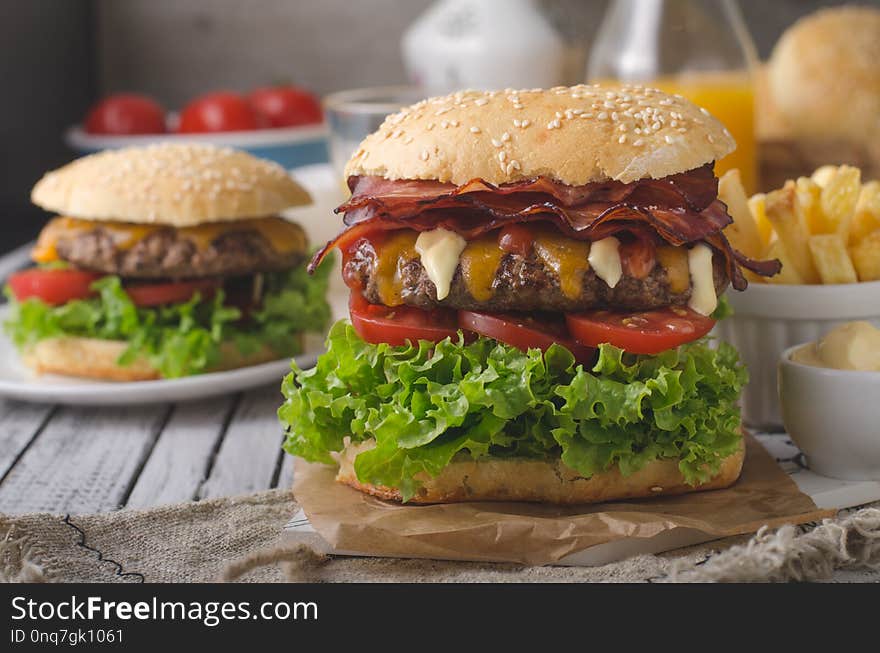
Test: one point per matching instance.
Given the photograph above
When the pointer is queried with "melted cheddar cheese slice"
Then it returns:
(285, 237)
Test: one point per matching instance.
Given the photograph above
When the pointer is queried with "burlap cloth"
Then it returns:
(240, 538)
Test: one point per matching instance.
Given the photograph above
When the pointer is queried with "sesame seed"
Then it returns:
(515, 165)
(586, 115)
(622, 127)
(554, 124)
(481, 102)
(614, 116)
(638, 142)
(656, 125)
(674, 123)
(430, 126)
(576, 112)
(502, 155)
(444, 124)
(682, 130)
(710, 138)
(425, 155)
(496, 142)
(669, 139)
(622, 139)
(475, 130)
(603, 115)
(517, 122)
(704, 111)
(505, 137)
(454, 123)
(408, 140)
(440, 112)
(517, 106)
(558, 114)
(525, 123)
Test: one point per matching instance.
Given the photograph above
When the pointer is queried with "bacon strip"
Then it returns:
(681, 209)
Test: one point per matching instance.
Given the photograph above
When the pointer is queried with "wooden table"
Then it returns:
(73, 459)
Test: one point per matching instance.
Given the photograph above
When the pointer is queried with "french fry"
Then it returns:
(866, 257)
(757, 205)
(783, 215)
(809, 206)
(831, 259)
(789, 274)
(839, 198)
(867, 216)
(743, 233)
(822, 175)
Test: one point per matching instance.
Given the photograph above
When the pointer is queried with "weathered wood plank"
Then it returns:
(19, 422)
(84, 460)
(183, 453)
(285, 477)
(248, 455)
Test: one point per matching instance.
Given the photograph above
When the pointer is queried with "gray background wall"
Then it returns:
(175, 48)
(57, 56)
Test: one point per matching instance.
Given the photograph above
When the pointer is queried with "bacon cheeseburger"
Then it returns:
(166, 261)
(532, 274)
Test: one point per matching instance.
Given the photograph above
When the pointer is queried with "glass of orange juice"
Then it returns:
(700, 49)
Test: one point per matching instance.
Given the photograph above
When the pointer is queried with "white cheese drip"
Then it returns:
(440, 250)
(703, 298)
(604, 258)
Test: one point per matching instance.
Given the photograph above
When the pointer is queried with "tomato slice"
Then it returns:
(395, 326)
(54, 287)
(526, 332)
(173, 292)
(648, 332)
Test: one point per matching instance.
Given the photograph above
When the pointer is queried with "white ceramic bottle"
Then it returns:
(483, 44)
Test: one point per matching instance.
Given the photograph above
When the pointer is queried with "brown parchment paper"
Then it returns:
(537, 534)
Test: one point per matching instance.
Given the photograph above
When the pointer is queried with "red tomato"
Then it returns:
(173, 292)
(648, 332)
(219, 112)
(126, 113)
(377, 324)
(54, 287)
(286, 106)
(525, 332)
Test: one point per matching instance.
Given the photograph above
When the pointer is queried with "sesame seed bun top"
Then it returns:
(575, 135)
(824, 74)
(170, 184)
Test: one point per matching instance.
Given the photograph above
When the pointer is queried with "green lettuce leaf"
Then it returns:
(423, 404)
(185, 338)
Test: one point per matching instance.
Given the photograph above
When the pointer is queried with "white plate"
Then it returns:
(19, 382)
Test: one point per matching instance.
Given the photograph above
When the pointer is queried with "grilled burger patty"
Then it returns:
(521, 283)
(170, 253)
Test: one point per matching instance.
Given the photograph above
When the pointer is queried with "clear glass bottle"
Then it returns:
(700, 49)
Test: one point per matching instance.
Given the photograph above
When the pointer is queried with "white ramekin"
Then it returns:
(768, 319)
(833, 416)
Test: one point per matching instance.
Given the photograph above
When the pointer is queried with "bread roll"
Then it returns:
(512, 479)
(573, 135)
(178, 185)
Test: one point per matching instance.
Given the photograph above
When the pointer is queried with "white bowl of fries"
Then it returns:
(825, 230)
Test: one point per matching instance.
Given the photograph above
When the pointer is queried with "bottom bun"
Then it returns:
(520, 479)
(94, 358)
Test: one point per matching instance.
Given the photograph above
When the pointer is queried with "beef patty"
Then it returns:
(523, 283)
(166, 253)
